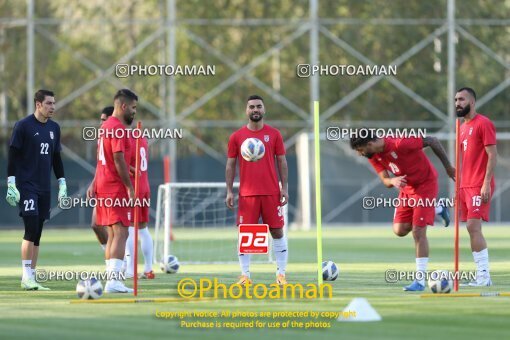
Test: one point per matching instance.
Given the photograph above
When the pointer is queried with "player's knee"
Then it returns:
(39, 232)
(474, 226)
(419, 233)
(30, 236)
(276, 233)
(31, 228)
(400, 230)
(120, 232)
(37, 240)
(400, 233)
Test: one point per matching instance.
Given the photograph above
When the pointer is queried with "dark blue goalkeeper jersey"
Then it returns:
(36, 143)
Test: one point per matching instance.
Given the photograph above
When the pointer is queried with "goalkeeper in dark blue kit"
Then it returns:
(34, 149)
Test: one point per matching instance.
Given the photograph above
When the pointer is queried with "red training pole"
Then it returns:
(166, 178)
(456, 206)
(166, 169)
(136, 217)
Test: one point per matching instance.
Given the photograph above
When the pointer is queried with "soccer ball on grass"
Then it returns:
(330, 271)
(89, 289)
(440, 282)
(170, 265)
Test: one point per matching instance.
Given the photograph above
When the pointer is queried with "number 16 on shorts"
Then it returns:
(253, 238)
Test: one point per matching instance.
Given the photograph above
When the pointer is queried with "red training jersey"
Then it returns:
(475, 135)
(111, 141)
(143, 182)
(257, 178)
(405, 156)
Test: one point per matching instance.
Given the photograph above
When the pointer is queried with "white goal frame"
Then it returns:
(164, 192)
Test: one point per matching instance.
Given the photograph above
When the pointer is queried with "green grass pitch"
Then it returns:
(362, 253)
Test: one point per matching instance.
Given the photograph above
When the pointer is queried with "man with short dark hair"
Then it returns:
(259, 191)
(112, 184)
(416, 179)
(479, 154)
(99, 230)
(34, 149)
(106, 112)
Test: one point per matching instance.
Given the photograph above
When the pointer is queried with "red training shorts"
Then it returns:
(416, 208)
(471, 206)
(111, 209)
(143, 208)
(251, 208)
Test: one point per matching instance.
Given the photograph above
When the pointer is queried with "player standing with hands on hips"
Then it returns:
(112, 182)
(478, 154)
(34, 149)
(259, 192)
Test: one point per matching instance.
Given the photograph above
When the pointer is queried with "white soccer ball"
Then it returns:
(89, 289)
(253, 149)
(440, 282)
(330, 271)
(170, 265)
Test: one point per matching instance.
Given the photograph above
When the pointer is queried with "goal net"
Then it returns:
(194, 224)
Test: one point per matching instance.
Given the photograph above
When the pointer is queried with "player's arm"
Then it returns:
(230, 174)
(390, 182)
(58, 169)
(14, 156)
(122, 170)
(492, 154)
(438, 149)
(283, 171)
(12, 196)
(132, 171)
(91, 190)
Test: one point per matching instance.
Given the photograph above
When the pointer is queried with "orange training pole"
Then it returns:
(456, 207)
(136, 217)
(166, 178)
(166, 169)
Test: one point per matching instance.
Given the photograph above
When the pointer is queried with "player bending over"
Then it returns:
(112, 184)
(479, 154)
(259, 191)
(143, 231)
(99, 230)
(34, 149)
(416, 178)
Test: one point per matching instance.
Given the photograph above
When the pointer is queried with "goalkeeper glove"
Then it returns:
(12, 192)
(62, 188)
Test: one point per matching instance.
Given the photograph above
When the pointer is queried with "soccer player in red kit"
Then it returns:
(144, 195)
(99, 230)
(416, 179)
(112, 184)
(478, 155)
(259, 190)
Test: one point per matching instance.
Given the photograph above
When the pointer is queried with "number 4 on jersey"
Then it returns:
(101, 152)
